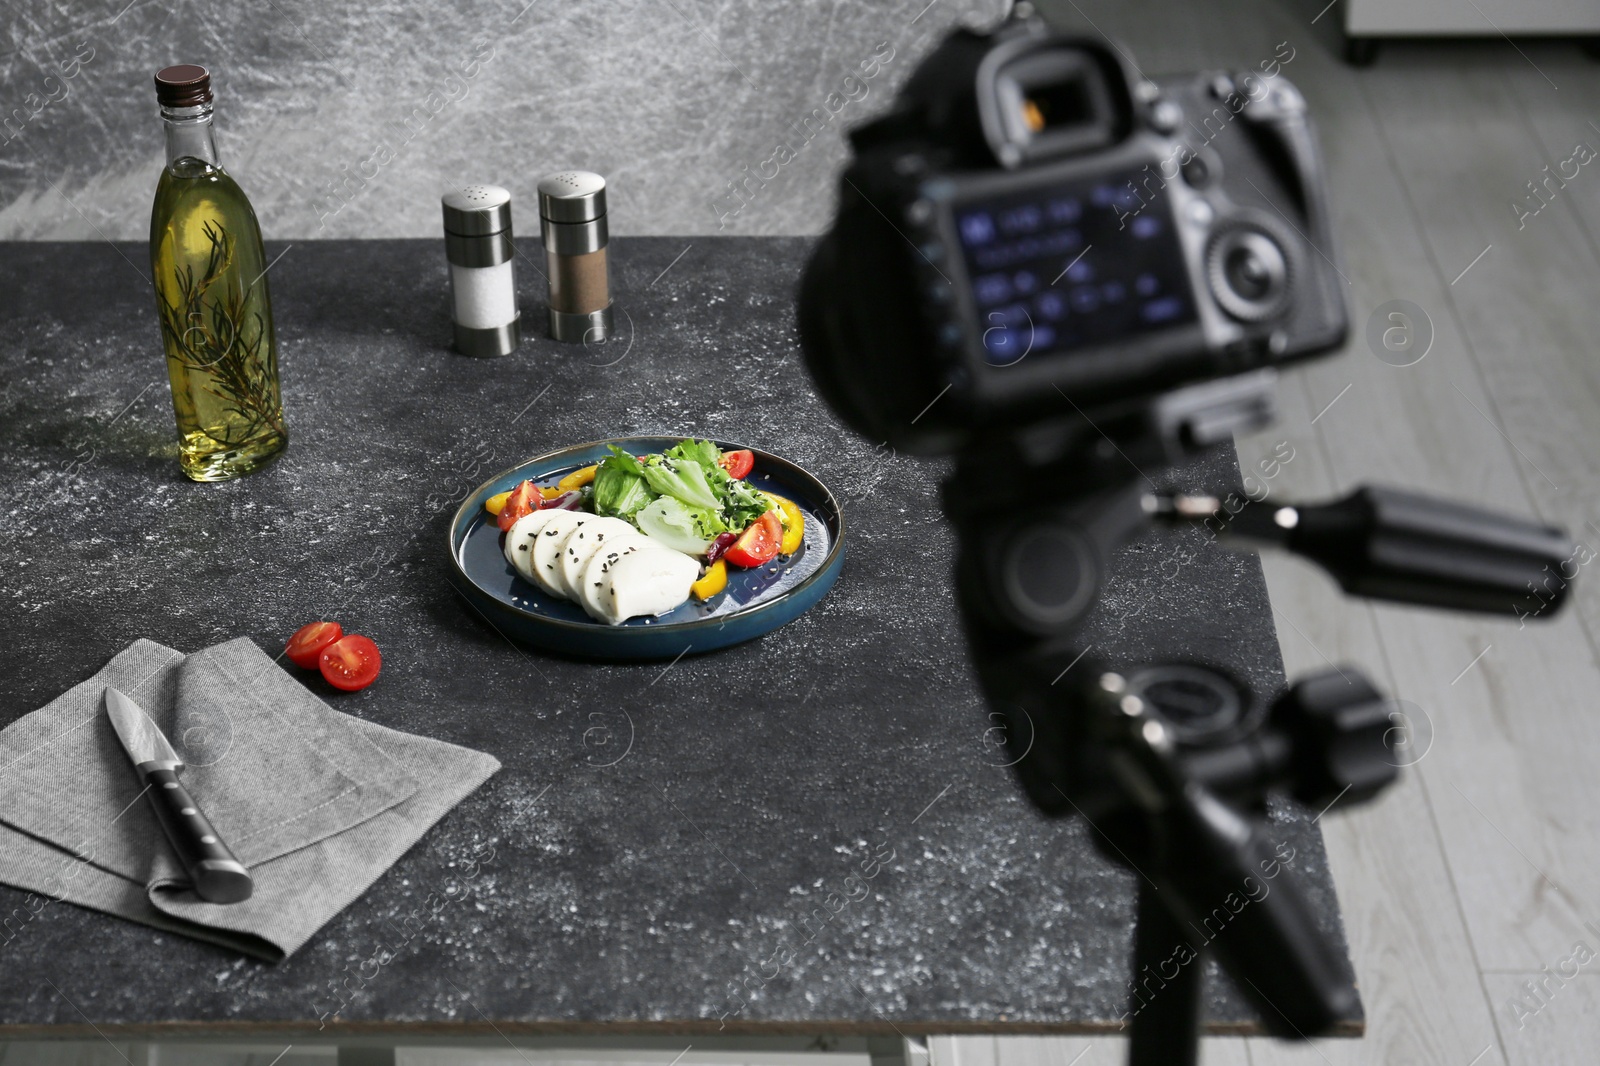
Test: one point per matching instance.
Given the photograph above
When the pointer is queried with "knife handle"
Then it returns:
(218, 876)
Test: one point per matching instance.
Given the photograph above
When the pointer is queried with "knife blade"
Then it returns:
(218, 876)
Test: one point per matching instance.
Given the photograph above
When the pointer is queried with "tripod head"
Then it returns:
(1172, 763)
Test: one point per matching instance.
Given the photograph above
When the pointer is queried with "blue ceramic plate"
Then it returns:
(755, 602)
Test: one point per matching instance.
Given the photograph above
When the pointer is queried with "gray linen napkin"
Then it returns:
(317, 804)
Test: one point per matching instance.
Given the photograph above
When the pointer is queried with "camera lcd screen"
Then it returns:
(1072, 267)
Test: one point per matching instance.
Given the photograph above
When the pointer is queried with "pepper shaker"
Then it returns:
(483, 285)
(572, 221)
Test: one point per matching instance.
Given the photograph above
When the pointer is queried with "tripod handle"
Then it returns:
(1405, 547)
(1234, 889)
(1219, 875)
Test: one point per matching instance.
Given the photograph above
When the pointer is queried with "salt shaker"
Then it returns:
(477, 242)
(572, 221)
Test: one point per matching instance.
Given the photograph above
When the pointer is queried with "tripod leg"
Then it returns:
(1165, 1002)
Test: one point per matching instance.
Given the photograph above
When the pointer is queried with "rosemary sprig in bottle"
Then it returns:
(220, 335)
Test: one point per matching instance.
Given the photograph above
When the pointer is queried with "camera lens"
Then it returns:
(1249, 271)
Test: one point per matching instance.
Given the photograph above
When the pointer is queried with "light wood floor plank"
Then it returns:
(1511, 786)
(1066, 1051)
(1558, 1021)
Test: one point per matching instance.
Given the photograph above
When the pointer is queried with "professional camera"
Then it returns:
(1073, 278)
(1034, 227)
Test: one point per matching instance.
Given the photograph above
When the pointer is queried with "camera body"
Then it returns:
(1035, 231)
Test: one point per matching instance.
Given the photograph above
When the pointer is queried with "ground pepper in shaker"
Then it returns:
(483, 286)
(572, 221)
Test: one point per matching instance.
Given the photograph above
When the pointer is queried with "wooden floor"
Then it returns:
(1480, 871)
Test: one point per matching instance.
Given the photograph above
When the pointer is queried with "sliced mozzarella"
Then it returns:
(547, 549)
(595, 571)
(580, 545)
(650, 581)
(519, 541)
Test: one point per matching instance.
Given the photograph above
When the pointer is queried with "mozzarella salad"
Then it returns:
(639, 535)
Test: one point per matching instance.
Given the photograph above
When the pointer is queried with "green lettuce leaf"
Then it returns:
(679, 526)
(742, 503)
(699, 451)
(619, 486)
(683, 479)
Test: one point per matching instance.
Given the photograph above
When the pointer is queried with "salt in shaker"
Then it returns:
(477, 242)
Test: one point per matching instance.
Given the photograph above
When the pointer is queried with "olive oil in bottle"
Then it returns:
(211, 293)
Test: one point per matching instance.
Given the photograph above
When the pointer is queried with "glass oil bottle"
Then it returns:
(211, 293)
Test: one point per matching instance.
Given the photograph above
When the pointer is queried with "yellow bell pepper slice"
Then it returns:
(794, 524)
(497, 503)
(577, 479)
(715, 580)
(549, 492)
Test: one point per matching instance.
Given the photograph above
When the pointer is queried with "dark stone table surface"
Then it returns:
(671, 844)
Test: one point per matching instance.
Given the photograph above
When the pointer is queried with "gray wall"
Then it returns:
(670, 99)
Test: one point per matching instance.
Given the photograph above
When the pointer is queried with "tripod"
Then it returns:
(1171, 764)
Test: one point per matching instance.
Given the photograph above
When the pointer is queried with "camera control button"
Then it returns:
(932, 251)
(1166, 116)
(1201, 213)
(1196, 172)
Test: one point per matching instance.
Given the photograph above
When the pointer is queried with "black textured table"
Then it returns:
(804, 833)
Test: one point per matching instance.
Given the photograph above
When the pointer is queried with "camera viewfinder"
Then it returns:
(1055, 103)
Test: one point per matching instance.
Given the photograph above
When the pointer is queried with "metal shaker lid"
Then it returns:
(477, 210)
(572, 196)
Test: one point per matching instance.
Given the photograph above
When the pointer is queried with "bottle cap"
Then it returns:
(572, 196)
(477, 210)
(185, 85)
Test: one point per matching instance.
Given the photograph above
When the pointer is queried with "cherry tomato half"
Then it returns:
(524, 500)
(759, 542)
(738, 463)
(350, 663)
(305, 647)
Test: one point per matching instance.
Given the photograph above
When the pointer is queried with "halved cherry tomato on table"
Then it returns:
(759, 543)
(524, 500)
(737, 464)
(350, 663)
(305, 647)
(794, 524)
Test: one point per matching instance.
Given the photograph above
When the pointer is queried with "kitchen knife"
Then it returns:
(218, 877)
